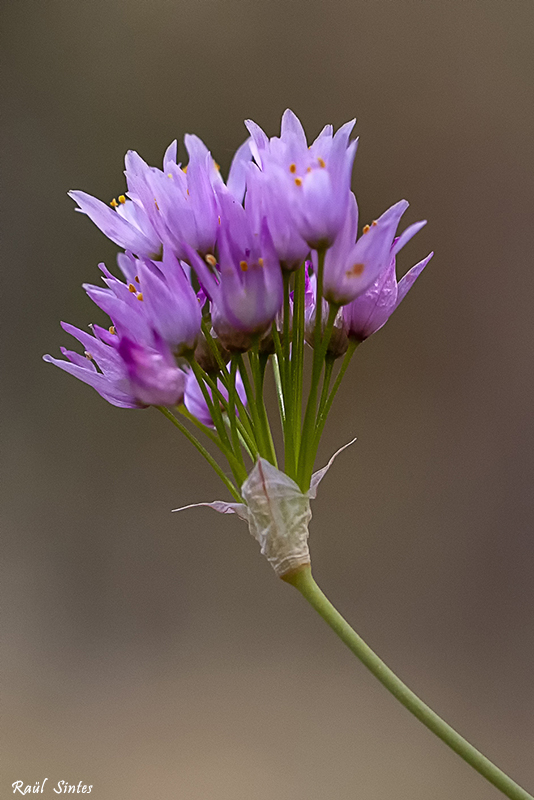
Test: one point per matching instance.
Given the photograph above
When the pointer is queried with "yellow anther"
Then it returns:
(298, 181)
(131, 288)
(184, 169)
(219, 219)
(211, 260)
(293, 168)
(122, 199)
(355, 270)
(112, 330)
(136, 279)
(139, 296)
(308, 169)
(217, 166)
(374, 223)
(156, 203)
(114, 203)
(243, 265)
(321, 162)
(260, 262)
(88, 355)
(366, 228)
(169, 174)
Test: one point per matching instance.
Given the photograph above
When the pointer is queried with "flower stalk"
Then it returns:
(303, 580)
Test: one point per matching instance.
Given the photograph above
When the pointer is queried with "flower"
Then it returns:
(263, 200)
(125, 374)
(165, 208)
(351, 267)
(247, 289)
(311, 183)
(371, 310)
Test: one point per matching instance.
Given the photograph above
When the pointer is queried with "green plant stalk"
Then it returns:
(328, 367)
(244, 415)
(297, 353)
(232, 416)
(279, 390)
(263, 446)
(353, 344)
(287, 385)
(303, 581)
(202, 450)
(258, 374)
(224, 403)
(307, 450)
(211, 402)
(228, 454)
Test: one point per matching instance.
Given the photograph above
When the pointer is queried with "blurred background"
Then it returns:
(156, 655)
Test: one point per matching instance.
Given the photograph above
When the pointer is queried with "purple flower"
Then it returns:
(158, 298)
(170, 303)
(164, 208)
(123, 373)
(196, 404)
(351, 267)
(264, 200)
(247, 290)
(152, 372)
(312, 183)
(371, 310)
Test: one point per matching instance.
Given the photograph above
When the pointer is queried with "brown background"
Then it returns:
(156, 655)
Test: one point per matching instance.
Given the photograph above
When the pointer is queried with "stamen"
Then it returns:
(374, 223)
(355, 270)
(122, 199)
(366, 229)
(114, 203)
(321, 162)
(293, 168)
(308, 169)
(243, 265)
(217, 166)
(298, 181)
(169, 174)
(112, 330)
(139, 295)
(184, 169)
(136, 279)
(131, 288)
(211, 260)
(156, 203)
(88, 355)
(260, 262)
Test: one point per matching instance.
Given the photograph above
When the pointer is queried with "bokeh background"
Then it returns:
(156, 655)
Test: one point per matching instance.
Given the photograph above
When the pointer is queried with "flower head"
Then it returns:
(246, 291)
(312, 183)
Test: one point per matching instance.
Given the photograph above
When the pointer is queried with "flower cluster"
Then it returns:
(255, 267)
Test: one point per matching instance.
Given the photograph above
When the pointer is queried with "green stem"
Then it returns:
(258, 373)
(304, 582)
(297, 354)
(232, 415)
(202, 450)
(353, 344)
(307, 451)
